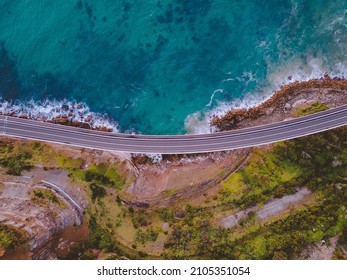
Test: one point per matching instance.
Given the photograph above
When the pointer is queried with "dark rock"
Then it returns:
(85, 125)
(23, 116)
(60, 120)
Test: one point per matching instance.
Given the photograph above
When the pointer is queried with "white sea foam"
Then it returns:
(197, 123)
(296, 70)
(209, 104)
(49, 109)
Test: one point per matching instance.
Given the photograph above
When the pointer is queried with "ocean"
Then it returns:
(162, 67)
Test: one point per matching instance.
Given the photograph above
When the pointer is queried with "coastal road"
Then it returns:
(175, 144)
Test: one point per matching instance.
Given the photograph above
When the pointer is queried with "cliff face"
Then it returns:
(37, 209)
(326, 90)
(39, 212)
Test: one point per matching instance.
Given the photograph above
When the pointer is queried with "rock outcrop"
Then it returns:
(280, 99)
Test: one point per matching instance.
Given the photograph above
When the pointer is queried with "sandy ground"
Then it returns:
(278, 205)
(233, 219)
(270, 209)
(185, 178)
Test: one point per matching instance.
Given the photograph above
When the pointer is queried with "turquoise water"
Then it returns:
(152, 65)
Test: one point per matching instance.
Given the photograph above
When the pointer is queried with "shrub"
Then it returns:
(10, 238)
(97, 191)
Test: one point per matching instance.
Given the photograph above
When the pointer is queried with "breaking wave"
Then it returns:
(49, 109)
(296, 70)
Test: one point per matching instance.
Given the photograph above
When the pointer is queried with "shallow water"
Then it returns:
(164, 67)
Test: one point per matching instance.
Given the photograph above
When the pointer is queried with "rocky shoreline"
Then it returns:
(326, 90)
(73, 114)
(331, 92)
(69, 113)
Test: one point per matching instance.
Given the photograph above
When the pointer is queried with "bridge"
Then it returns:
(175, 144)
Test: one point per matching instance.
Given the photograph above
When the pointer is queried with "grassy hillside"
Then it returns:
(117, 229)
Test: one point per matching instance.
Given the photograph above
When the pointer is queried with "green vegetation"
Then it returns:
(149, 235)
(99, 238)
(69, 163)
(97, 191)
(341, 248)
(311, 109)
(119, 228)
(102, 180)
(291, 234)
(166, 214)
(10, 238)
(264, 174)
(192, 234)
(139, 218)
(103, 174)
(43, 197)
(318, 162)
(17, 156)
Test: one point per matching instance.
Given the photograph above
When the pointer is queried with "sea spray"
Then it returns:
(279, 75)
(48, 110)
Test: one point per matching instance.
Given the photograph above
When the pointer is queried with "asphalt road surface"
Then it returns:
(175, 144)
